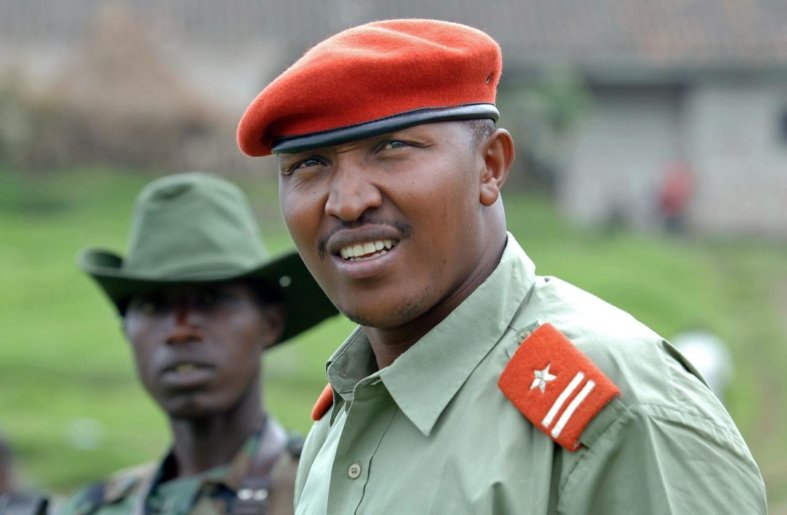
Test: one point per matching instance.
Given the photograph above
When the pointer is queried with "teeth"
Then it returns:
(366, 249)
(185, 367)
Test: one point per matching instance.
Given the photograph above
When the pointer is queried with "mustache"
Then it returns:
(404, 229)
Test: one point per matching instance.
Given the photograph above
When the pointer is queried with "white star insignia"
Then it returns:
(542, 378)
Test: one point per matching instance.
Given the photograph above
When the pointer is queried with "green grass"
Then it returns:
(65, 368)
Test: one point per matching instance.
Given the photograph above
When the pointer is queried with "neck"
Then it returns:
(390, 343)
(200, 444)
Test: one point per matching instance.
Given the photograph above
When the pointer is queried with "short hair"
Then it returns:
(480, 129)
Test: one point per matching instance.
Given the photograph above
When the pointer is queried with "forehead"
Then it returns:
(187, 289)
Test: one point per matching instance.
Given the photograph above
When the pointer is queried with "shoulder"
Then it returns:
(655, 419)
(555, 386)
(644, 366)
(653, 379)
(23, 503)
(112, 490)
(287, 462)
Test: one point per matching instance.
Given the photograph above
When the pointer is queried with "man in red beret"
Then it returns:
(471, 385)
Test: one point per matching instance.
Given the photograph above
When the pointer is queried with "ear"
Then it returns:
(273, 318)
(498, 155)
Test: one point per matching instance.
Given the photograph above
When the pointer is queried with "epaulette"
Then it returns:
(324, 402)
(555, 385)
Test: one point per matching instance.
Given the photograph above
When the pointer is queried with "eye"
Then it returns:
(214, 298)
(148, 305)
(302, 164)
(392, 144)
(206, 299)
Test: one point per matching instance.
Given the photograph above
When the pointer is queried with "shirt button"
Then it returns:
(354, 471)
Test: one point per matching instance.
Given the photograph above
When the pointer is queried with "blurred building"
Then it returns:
(702, 83)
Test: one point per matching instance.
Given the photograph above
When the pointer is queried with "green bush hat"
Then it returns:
(199, 228)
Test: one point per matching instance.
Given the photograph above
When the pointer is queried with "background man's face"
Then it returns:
(390, 225)
(197, 348)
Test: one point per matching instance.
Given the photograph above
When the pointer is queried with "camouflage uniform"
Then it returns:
(229, 489)
(23, 503)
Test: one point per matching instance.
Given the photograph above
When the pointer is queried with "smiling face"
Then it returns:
(400, 226)
(197, 348)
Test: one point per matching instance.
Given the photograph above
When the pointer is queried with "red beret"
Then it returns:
(372, 79)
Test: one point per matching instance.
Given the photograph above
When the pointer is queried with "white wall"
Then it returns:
(727, 129)
(624, 142)
(740, 156)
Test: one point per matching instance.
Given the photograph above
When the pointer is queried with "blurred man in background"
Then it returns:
(15, 500)
(472, 385)
(674, 196)
(200, 302)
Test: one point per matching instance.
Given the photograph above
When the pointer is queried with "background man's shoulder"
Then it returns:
(118, 487)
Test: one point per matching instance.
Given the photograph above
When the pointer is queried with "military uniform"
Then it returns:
(441, 431)
(23, 503)
(256, 481)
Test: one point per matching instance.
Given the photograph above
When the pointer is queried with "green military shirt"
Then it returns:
(433, 433)
(139, 490)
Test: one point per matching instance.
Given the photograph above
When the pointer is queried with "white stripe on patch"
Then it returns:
(565, 394)
(572, 407)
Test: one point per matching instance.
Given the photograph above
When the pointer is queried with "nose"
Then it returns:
(185, 324)
(352, 192)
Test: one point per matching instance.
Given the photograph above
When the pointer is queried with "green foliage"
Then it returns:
(71, 404)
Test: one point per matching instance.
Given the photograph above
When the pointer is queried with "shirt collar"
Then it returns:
(424, 379)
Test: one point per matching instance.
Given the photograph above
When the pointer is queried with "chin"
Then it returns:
(189, 408)
(358, 318)
(188, 413)
(382, 317)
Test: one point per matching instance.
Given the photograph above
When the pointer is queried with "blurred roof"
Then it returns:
(599, 36)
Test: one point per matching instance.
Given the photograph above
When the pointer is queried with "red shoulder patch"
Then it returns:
(324, 402)
(555, 386)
